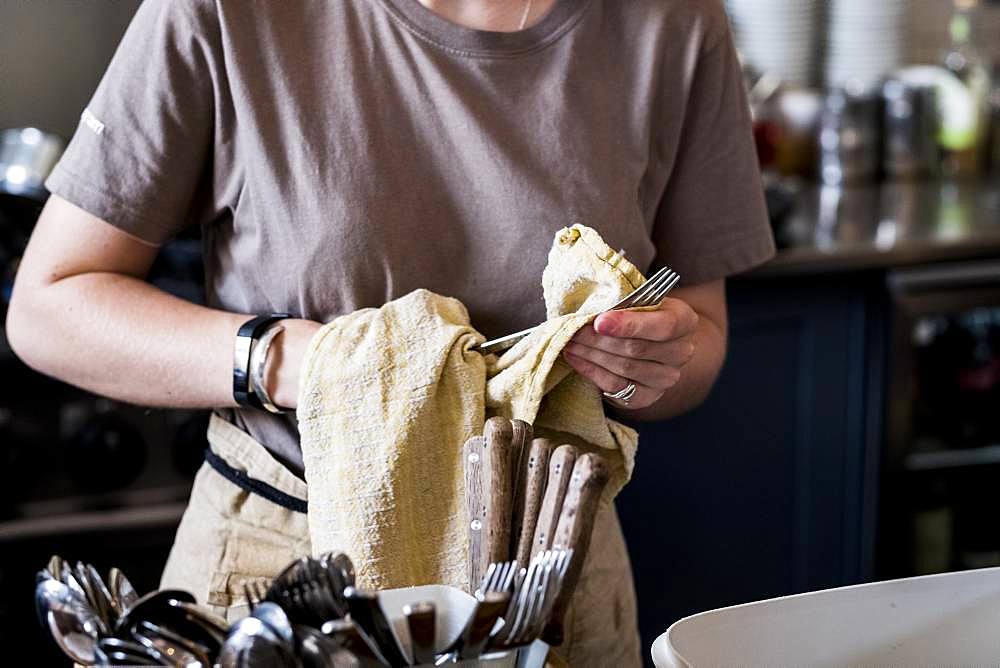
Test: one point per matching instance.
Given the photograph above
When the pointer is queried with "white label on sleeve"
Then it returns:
(91, 122)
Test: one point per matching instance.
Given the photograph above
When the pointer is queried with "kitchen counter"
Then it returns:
(875, 227)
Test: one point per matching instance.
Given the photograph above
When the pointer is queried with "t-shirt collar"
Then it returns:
(426, 23)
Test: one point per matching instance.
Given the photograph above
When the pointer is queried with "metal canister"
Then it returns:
(850, 137)
(910, 125)
(27, 155)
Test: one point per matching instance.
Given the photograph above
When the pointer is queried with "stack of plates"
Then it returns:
(866, 41)
(780, 36)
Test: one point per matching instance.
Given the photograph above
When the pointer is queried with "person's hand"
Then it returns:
(648, 348)
(284, 362)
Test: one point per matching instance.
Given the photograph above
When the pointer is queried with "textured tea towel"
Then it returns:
(389, 395)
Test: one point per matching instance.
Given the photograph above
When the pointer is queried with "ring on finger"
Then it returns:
(623, 395)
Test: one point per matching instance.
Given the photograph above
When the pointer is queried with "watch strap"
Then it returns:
(249, 332)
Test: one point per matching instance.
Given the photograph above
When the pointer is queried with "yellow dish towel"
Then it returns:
(389, 395)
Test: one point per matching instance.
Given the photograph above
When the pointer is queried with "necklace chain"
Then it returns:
(524, 16)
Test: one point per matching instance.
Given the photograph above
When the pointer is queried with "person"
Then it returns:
(338, 155)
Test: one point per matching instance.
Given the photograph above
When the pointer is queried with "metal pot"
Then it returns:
(27, 155)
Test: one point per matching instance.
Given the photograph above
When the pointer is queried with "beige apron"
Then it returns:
(229, 537)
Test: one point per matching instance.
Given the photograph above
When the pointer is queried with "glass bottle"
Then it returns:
(965, 128)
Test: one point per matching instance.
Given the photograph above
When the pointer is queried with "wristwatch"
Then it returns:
(248, 333)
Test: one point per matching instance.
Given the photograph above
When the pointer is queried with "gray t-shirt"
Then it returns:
(342, 154)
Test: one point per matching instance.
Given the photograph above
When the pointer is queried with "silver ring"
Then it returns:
(623, 395)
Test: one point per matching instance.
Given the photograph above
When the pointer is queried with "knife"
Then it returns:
(520, 444)
(366, 612)
(573, 532)
(560, 470)
(473, 456)
(484, 618)
(532, 487)
(347, 635)
(498, 434)
(421, 620)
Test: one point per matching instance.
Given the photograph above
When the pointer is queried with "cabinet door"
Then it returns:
(761, 491)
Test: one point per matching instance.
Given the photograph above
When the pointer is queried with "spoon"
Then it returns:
(178, 650)
(70, 621)
(125, 652)
(275, 618)
(344, 564)
(55, 567)
(252, 643)
(151, 606)
(107, 606)
(122, 590)
(211, 623)
(69, 579)
(315, 650)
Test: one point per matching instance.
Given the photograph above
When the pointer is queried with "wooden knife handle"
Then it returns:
(576, 524)
(498, 434)
(560, 470)
(532, 487)
(473, 456)
(520, 444)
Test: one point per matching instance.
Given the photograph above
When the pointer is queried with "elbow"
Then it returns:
(21, 322)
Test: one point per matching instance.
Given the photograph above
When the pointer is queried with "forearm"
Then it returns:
(696, 379)
(123, 338)
(120, 337)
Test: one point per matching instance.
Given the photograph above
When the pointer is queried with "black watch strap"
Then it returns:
(249, 332)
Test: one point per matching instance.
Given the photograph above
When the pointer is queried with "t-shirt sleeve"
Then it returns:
(712, 221)
(143, 142)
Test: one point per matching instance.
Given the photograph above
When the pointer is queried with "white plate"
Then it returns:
(936, 620)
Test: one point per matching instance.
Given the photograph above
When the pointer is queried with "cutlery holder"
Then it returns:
(454, 607)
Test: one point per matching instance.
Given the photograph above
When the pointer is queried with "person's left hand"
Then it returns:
(648, 348)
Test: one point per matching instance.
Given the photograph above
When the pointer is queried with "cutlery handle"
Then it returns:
(560, 470)
(498, 434)
(576, 524)
(349, 636)
(485, 617)
(367, 613)
(504, 342)
(473, 456)
(520, 443)
(532, 487)
(421, 619)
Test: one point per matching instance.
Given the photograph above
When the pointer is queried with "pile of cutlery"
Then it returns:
(312, 615)
(527, 497)
(531, 507)
(105, 622)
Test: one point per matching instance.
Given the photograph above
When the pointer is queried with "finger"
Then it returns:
(674, 353)
(672, 320)
(610, 382)
(652, 374)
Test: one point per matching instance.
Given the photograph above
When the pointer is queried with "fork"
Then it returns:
(650, 293)
(499, 577)
(534, 595)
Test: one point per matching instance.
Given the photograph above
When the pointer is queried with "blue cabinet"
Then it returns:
(768, 488)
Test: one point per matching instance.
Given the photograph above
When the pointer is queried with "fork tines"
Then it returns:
(651, 292)
(535, 591)
(499, 578)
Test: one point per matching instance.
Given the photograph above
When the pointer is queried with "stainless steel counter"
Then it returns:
(876, 227)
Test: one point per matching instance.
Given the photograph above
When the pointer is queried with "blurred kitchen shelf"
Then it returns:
(164, 515)
(952, 459)
(140, 509)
